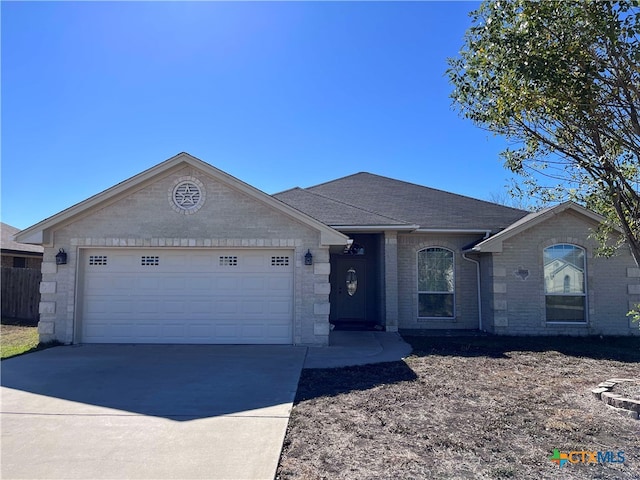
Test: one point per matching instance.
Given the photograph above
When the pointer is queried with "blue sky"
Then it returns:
(277, 94)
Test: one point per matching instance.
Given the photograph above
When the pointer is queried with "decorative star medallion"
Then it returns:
(187, 195)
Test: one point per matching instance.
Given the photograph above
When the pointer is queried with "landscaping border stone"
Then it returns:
(625, 406)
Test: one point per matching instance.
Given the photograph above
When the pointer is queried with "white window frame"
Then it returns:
(452, 293)
(584, 294)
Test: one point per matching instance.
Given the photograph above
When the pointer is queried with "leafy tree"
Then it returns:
(561, 80)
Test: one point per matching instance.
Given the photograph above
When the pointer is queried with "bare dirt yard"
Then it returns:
(467, 407)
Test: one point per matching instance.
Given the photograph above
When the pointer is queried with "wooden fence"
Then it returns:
(20, 293)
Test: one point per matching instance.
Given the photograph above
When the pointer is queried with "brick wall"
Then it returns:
(146, 218)
(29, 261)
(517, 298)
(466, 297)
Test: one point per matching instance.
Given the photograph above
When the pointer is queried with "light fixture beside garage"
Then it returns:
(61, 257)
(308, 258)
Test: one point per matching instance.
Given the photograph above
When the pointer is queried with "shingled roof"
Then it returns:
(9, 245)
(365, 199)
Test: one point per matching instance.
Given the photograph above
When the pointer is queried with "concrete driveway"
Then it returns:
(120, 411)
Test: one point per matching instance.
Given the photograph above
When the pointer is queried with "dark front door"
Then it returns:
(351, 280)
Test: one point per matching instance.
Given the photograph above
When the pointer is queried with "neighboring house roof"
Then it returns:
(494, 243)
(40, 233)
(9, 245)
(365, 199)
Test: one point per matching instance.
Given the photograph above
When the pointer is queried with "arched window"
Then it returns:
(564, 283)
(436, 283)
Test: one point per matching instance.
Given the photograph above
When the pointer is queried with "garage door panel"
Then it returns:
(281, 283)
(253, 331)
(173, 330)
(199, 285)
(94, 306)
(181, 296)
(226, 331)
(148, 306)
(253, 307)
(227, 307)
(117, 262)
(173, 307)
(279, 308)
(200, 330)
(175, 283)
(148, 282)
(200, 306)
(228, 283)
(276, 331)
(252, 285)
(145, 330)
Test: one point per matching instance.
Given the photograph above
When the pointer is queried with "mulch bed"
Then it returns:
(477, 408)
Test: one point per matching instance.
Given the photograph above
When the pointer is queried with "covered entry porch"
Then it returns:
(364, 283)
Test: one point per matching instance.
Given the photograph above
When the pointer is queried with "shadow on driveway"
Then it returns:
(177, 382)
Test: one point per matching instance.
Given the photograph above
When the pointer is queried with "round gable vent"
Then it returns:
(187, 195)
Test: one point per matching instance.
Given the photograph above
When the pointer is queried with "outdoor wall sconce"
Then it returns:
(61, 257)
(308, 258)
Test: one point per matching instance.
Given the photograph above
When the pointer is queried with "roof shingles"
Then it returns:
(368, 199)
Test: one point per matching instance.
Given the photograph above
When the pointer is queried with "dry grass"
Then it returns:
(16, 339)
(20, 336)
(485, 408)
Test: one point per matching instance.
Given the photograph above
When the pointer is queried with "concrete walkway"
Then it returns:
(162, 411)
(357, 348)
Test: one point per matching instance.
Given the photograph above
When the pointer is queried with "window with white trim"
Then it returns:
(564, 283)
(436, 283)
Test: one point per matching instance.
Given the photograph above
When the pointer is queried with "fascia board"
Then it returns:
(374, 228)
(36, 237)
(455, 231)
(494, 244)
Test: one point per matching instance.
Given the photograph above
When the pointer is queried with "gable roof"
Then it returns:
(494, 243)
(40, 233)
(364, 199)
(8, 244)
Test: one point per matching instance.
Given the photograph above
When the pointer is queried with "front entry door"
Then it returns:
(351, 300)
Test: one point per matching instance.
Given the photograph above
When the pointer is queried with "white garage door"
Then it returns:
(187, 296)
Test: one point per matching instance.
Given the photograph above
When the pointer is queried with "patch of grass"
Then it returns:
(17, 339)
(465, 407)
(20, 336)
